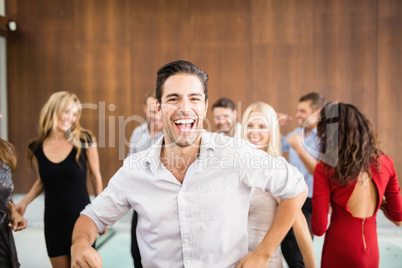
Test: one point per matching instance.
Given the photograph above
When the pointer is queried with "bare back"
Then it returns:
(364, 199)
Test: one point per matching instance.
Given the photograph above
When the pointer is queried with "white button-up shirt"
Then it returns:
(203, 221)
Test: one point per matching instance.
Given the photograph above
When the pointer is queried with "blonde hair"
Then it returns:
(48, 122)
(274, 147)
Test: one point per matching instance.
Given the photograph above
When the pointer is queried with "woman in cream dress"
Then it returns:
(260, 127)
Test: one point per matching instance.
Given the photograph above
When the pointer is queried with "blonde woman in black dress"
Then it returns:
(62, 154)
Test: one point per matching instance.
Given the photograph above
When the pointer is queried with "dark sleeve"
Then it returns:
(87, 140)
(320, 201)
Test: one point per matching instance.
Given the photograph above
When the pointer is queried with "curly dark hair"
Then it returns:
(347, 141)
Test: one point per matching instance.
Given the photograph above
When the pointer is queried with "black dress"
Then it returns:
(66, 195)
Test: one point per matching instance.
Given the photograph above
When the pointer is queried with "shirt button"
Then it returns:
(184, 218)
(186, 241)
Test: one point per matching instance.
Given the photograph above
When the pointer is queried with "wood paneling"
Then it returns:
(390, 79)
(345, 44)
(282, 53)
(108, 52)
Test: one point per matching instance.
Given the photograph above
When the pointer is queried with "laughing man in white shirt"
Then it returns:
(191, 189)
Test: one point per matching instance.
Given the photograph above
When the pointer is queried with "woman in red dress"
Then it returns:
(354, 180)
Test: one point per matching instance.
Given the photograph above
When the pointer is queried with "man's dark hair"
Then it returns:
(224, 103)
(179, 67)
(317, 100)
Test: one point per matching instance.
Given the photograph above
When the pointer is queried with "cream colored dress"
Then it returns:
(261, 215)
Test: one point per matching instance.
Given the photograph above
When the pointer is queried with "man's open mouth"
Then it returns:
(184, 125)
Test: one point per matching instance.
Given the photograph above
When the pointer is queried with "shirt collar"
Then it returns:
(152, 155)
(144, 127)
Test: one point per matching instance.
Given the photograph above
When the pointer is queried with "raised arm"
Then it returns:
(95, 174)
(308, 160)
(84, 235)
(285, 216)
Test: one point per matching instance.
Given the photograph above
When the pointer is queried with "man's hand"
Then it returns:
(83, 255)
(295, 141)
(283, 119)
(254, 260)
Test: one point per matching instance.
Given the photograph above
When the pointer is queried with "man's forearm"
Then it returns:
(84, 230)
(285, 216)
(308, 160)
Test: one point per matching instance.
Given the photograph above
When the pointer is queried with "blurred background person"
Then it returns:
(149, 132)
(260, 127)
(143, 137)
(225, 118)
(356, 179)
(303, 155)
(10, 219)
(61, 155)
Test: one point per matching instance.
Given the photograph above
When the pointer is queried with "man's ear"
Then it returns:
(144, 107)
(158, 106)
(206, 108)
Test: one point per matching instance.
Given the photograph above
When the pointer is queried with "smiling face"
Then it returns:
(68, 117)
(183, 109)
(225, 120)
(306, 116)
(257, 130)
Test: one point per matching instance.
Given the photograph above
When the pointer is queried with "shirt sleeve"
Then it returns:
(320, 201)
(393, 195)
(132, 142)
(109, 206)
(285, 144)
(272, 174)
(312, 147)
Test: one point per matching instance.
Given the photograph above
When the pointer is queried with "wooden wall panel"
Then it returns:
(390, 80)
(34, 56)
(108, 52)
(221, 44)
(282, 53)
(102, 65)
(345, 45)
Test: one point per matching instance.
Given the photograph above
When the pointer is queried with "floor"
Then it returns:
(115, 246)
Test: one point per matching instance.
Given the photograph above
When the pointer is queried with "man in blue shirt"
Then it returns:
(303, 153)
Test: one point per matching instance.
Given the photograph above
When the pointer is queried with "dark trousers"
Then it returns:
(135, 251)
(289, 247)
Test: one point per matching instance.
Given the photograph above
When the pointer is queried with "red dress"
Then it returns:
(351, 241)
